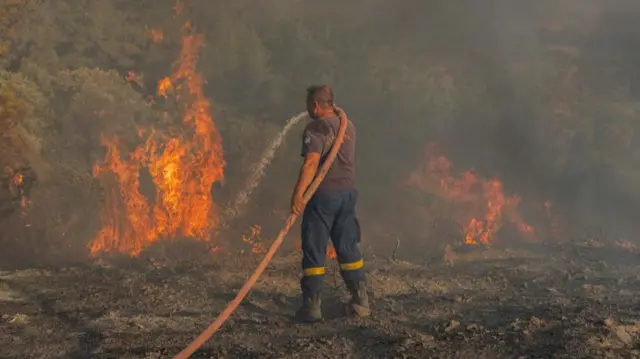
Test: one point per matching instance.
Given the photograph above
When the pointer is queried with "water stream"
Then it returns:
(259, 169)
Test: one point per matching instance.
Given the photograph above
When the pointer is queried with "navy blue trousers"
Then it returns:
(330, 216)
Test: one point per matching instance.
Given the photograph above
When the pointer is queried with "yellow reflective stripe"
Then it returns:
(314, 271)
(352, 266)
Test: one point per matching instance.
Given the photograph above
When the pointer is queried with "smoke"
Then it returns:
(259, 169)
(551, 68)
(536, 90)
(541, 95)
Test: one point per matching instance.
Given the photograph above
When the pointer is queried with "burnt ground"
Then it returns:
(569, 301)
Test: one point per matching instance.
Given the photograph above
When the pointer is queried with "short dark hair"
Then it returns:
(322, 94)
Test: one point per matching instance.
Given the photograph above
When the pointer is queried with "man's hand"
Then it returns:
(297, 204)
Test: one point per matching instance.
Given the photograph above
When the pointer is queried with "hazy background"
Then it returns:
(540, 94)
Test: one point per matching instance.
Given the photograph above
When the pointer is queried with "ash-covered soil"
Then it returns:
(571, 301)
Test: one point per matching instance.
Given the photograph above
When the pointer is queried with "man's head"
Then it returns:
(320, 101)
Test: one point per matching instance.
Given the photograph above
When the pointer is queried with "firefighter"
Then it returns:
(330, 213)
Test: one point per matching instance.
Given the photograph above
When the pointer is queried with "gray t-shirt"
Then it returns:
(318, 137)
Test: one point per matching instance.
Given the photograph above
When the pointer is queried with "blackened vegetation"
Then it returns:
(495, 304)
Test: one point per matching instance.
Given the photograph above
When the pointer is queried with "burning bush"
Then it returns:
(21, 140)
(76, 106)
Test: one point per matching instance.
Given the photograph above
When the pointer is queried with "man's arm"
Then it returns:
(307, 173)
(312, 148)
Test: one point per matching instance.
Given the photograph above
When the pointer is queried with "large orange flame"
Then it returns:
(486, 204)
(183, 168)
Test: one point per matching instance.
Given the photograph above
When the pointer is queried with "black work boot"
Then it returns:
(311, 309)
(359, 304)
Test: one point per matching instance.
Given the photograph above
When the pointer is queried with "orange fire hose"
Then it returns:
(231, 307)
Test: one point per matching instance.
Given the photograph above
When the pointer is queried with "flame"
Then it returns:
(484, 200)
(331, 252)
(255, 240)
(17, 185)
(18, 179)
(156, 35)
(183, 168)
(482, 230)
(164, 86)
